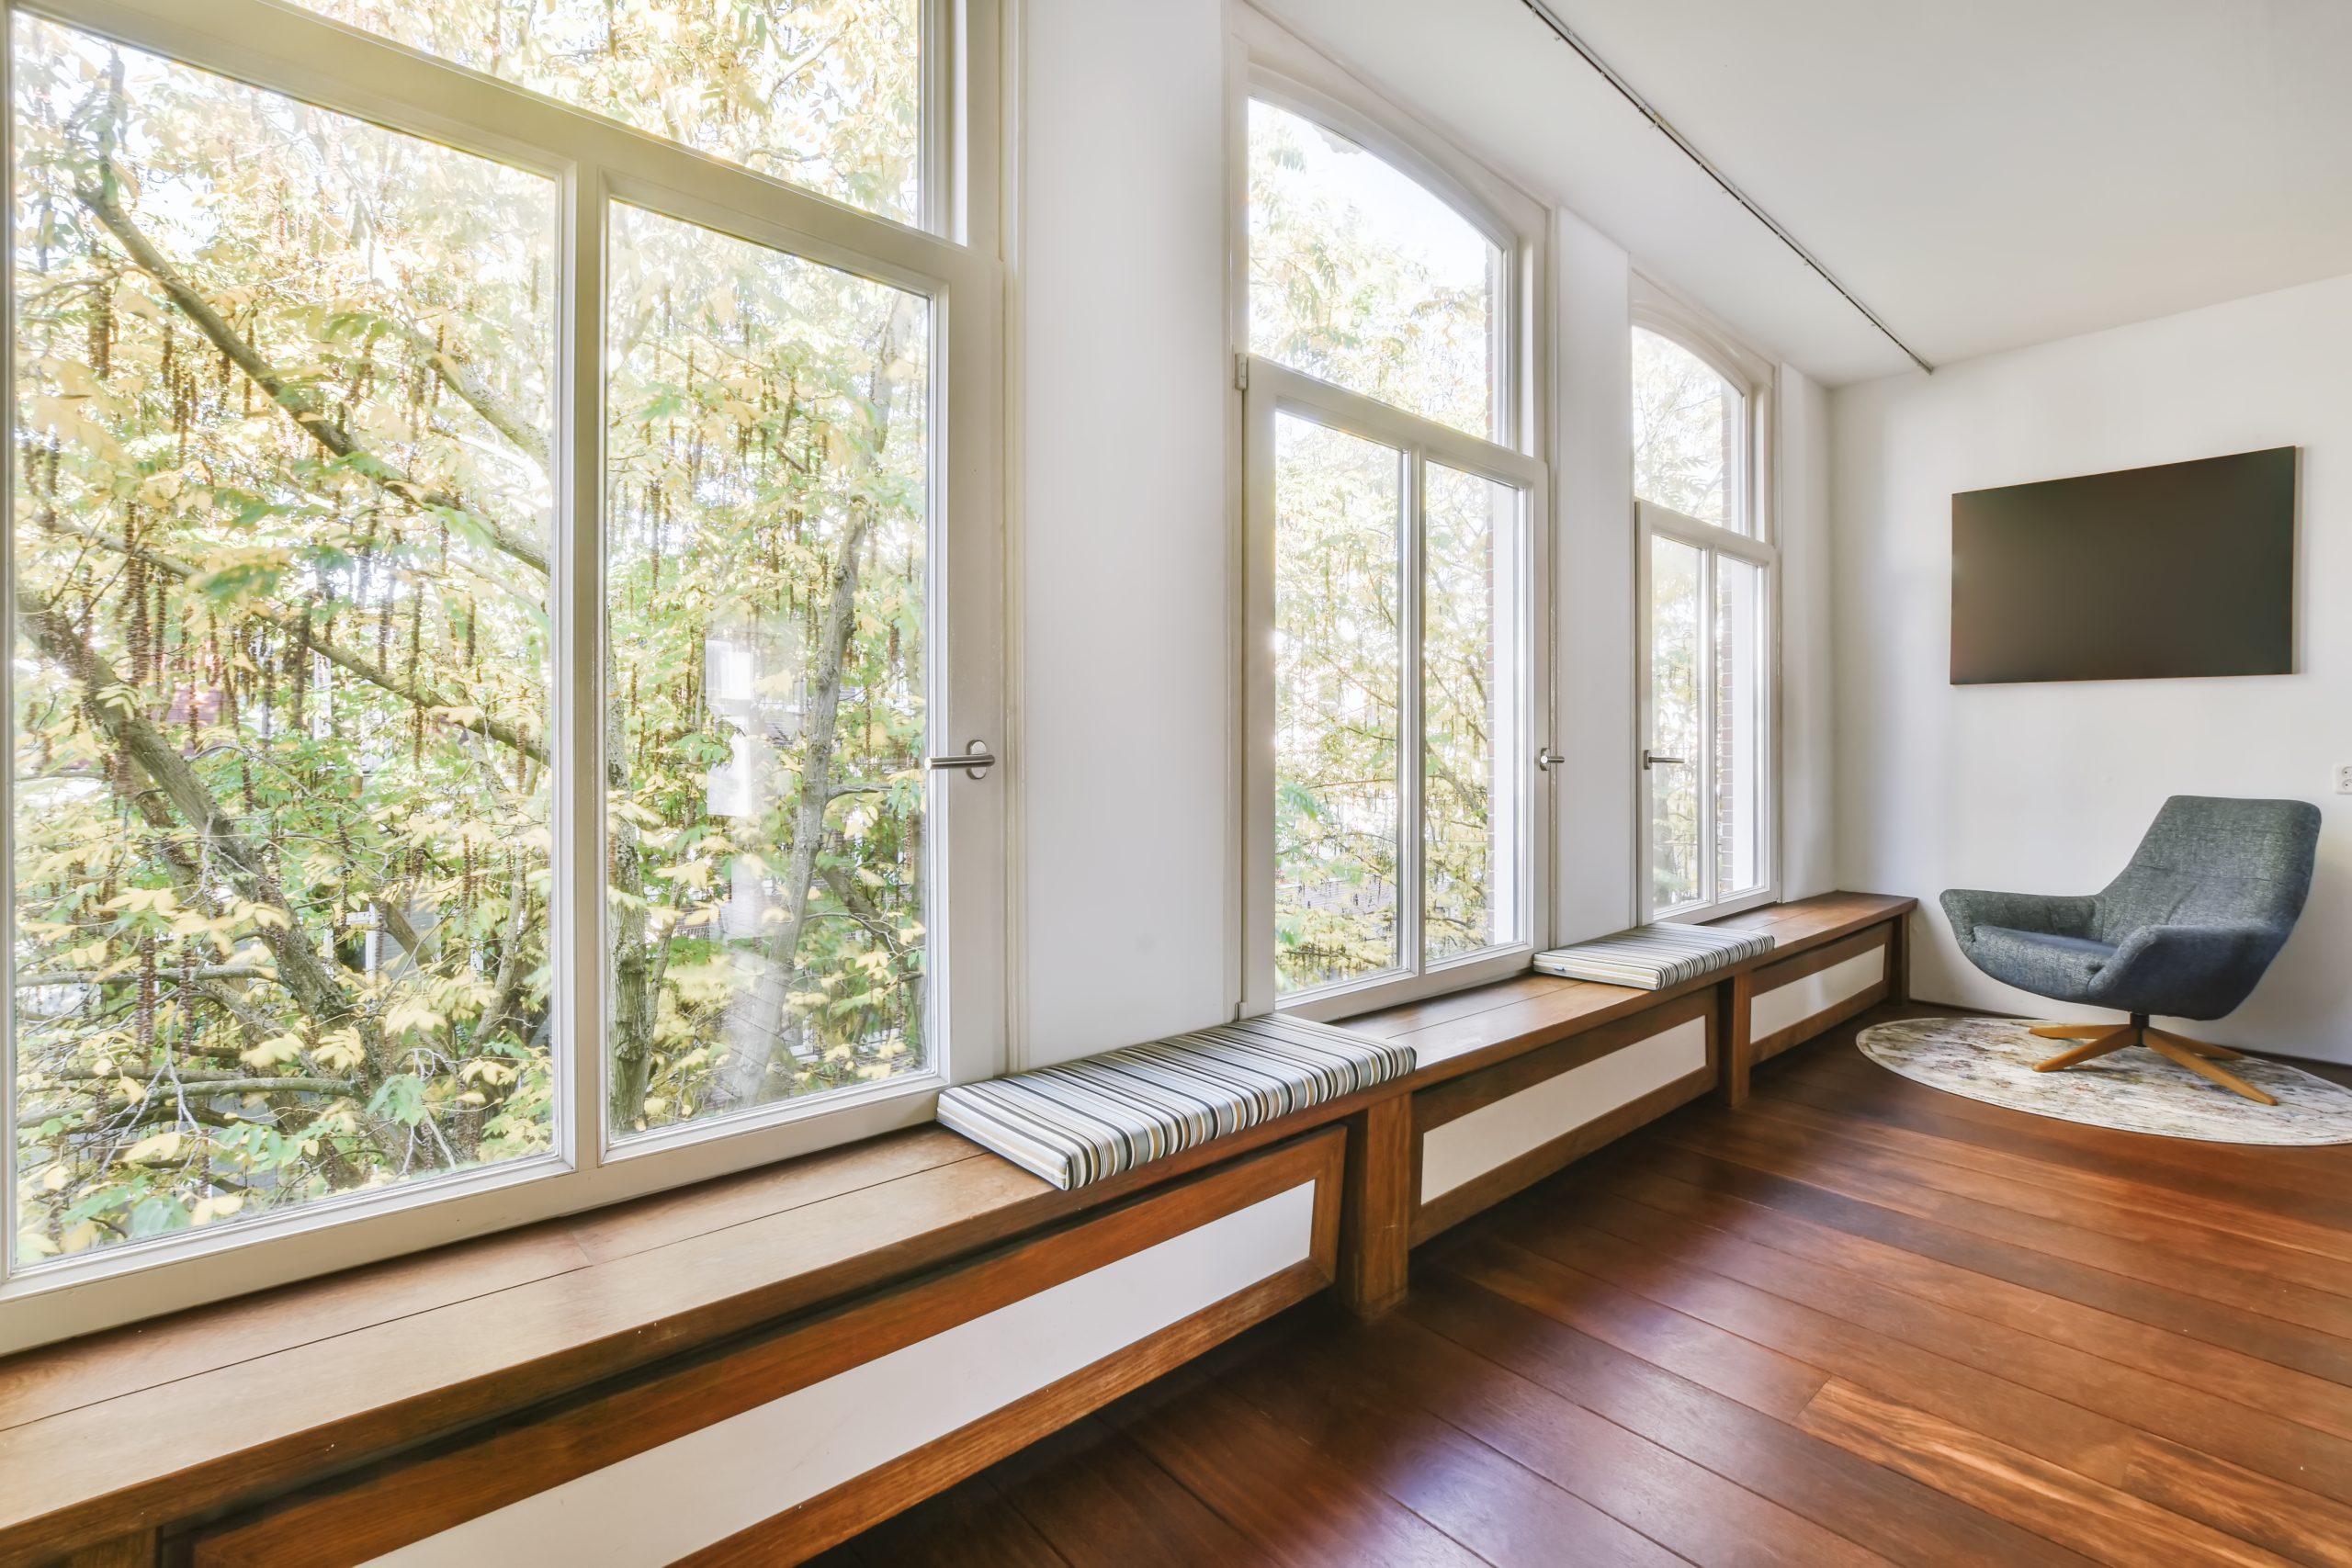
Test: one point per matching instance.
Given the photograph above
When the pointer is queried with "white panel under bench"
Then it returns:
(1800, 1008)
(1484, 1135)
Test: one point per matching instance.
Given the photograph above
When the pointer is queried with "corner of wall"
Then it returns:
(1808, 770)
(1592, 803)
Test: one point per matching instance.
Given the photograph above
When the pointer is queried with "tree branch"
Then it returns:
(459, 378)
(366, 668)
(129, 977)
(299, 968)
(295, 399)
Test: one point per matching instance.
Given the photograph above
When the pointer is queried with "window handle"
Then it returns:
(1548, 758)
(975, 761)
(1652, 760)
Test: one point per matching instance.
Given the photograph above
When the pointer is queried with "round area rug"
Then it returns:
(2133, 1091)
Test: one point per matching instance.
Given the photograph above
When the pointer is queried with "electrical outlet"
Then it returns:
(2344, 778)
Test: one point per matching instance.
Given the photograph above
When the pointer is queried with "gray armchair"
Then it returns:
(2187, 930)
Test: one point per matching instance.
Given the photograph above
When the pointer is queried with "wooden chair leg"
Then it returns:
(2070, 1031)
(2115, 1039)
(2166, 1047)
(2202, 1047)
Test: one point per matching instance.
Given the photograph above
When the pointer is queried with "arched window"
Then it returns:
(1688, 420)
(1708, 627)
(1362, 277)
(1391, 663)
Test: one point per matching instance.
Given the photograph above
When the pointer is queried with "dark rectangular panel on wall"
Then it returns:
(2180, 569)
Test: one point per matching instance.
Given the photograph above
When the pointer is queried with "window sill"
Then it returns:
(202, 1412)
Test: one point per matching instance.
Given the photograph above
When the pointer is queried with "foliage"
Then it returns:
(1337, 725)
(283, 518)
(1471, 693)
(1675, 708)
(1686, 424)
(765, 590)
(1360, 277)
(826, 94)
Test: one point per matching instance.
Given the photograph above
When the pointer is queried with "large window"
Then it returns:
(1707, 616)
(1392, 527)
(481, 618)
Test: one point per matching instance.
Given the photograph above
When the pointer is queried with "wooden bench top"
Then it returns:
(1467, 1029)
(205, 1409)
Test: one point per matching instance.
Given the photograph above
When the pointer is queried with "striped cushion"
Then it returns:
(1651, 958)
(1085, 1119)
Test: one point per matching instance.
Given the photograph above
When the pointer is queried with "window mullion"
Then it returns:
(1412, 710)
(8, 564)
(1710, 700)
(579, 616)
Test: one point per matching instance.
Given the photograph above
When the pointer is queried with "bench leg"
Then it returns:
(1735, 1051)
(1376, 1213)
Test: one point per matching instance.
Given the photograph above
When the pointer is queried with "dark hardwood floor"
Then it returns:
(1858, 1321)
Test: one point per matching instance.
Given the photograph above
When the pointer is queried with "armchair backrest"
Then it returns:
(2208, 861)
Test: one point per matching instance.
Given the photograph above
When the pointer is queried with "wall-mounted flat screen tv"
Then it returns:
(2182, 570)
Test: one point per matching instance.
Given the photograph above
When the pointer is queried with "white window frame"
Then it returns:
(955, 263)
(1268, 63)
(1748, 497)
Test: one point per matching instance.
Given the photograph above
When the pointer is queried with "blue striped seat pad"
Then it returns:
(1654, 957)
(1086, 1119)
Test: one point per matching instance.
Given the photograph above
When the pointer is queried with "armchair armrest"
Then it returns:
(2193, 971)
(2057, 914)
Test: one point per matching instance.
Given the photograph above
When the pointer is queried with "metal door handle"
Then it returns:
(975, 761)
(1652, 760)
(1548, 758)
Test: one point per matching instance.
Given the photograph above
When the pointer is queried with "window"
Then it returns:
(482, 617)
(1362, 277)
(1708, 635)
(829, 97)
(1392, 531)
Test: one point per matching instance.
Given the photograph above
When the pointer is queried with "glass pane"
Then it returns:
(1471, 665)
(1338, 506)
(1739, 727)
(1361, 276)
(281, 519)
(1686, 433)
(825, 94)
(1676, 618)
(767, 541)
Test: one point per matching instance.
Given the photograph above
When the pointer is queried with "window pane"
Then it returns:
(1471, 666)
(1739, 727)
(1361, 277)
(826, 94)
(767, 542)
(1338, 506)
(281, 722)
(1686, 433)
(1675, 621)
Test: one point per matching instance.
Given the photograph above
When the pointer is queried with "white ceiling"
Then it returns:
(1983, 174)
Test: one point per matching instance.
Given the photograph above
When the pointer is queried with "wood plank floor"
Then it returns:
(1858, 1321)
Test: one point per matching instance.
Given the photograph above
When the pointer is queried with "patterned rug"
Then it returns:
(2134, 1090)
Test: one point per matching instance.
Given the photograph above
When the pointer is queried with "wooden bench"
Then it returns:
(436, 1402)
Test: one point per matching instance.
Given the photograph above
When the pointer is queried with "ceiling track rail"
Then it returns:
(1626, 90)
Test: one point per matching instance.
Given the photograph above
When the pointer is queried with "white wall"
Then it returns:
(1592, 572)
(1808, 759)
(1126, 728)
(1122, 519)
(2046, 788)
